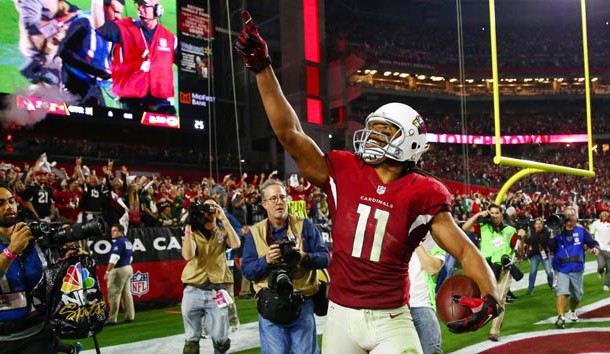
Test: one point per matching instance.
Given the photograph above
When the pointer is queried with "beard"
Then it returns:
(7, 222)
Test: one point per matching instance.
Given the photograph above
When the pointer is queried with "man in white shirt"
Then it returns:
(426, 262)
(600, 229)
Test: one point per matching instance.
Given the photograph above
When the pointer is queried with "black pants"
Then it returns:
(41, 343)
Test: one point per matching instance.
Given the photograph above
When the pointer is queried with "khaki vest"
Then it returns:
(305, 279)
(210, 261)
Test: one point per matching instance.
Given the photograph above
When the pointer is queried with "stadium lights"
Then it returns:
(437, 78)
(560, 79)
(403, 75)
(421, 77)
(367, 71)
(387, 73)
(453, 80)
(373, 72)
(396, 73)
(594, 79)
(470, 81)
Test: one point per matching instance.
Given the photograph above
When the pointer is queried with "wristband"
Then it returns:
(9, 254)
(187, 232)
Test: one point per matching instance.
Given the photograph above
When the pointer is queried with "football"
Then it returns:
(460, 285)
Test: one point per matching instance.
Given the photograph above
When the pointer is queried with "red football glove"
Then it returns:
(483, 311)
(251, 46)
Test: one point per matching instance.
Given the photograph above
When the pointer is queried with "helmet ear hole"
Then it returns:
(414, 145)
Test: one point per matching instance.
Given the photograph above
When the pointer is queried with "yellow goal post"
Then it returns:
(529, 167)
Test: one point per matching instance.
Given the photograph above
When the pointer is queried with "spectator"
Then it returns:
(537, 250)
(600, 229)
(423, 270)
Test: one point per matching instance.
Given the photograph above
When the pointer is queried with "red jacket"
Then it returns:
(128, 79)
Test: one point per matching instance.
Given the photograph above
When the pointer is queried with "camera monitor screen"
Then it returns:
(121, 59)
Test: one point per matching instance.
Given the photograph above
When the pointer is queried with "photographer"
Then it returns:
(23, 325)
(206, 235)
(498, 242)
(537, 245)
(269, 263)
(567, 244)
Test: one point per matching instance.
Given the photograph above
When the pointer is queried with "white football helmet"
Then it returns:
(408, 143)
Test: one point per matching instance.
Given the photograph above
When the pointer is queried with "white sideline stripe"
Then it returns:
(247, 337)
(477, 348)
(590, 307)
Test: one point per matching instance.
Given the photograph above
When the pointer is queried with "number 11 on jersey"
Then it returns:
(381, 217)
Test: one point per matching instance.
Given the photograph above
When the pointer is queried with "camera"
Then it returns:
(556, 221)
(523, 222)
(198, 209)
(200, 213)
(48, 234)
(279, 280)
(508, 264)
(290, 256)
(485, 220)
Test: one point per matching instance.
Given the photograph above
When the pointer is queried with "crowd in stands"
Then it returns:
(519, 47)
(80, 193)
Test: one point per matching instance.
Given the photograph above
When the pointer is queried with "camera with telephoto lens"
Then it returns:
(290, 256)
(508, 264)
(556, 221)
(279, 280)
(523, 222)
(47, 234)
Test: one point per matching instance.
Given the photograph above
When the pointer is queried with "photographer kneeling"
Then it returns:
(498, 241)
(281, 255)
(23, 326)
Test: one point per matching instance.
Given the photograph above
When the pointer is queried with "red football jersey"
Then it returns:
(376, 228)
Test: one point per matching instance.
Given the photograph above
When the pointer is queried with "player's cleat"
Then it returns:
(494, 337)
(561, 322)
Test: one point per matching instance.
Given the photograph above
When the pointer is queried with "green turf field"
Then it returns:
(11, 58)
(520, 317)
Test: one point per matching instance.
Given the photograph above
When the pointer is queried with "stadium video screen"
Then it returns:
(148, 64)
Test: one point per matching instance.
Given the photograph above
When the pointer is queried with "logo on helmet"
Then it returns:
(419, 123)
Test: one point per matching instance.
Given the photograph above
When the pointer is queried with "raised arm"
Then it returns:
(284, 121)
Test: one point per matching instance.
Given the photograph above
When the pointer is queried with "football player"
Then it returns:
(377, 225)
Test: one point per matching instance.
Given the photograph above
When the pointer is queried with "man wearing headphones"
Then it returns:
(141, 68)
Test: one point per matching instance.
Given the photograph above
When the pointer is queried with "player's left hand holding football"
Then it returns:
(483, 310)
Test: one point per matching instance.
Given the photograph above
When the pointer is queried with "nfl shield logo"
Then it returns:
(163, 42)
(380, 190)
(139, 284)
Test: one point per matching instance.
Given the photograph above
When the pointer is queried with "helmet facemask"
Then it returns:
(408, 143)
(375, 146)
